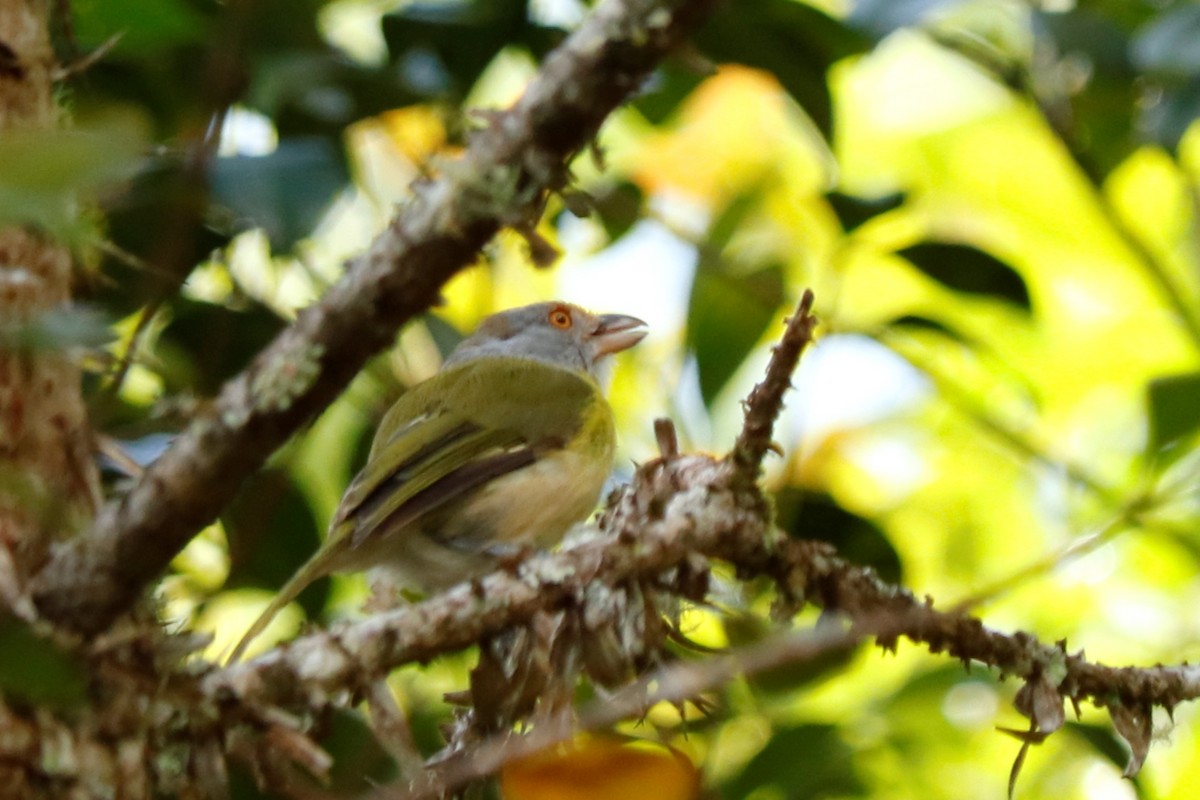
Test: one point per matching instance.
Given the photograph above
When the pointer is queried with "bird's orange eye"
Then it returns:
(560, 318)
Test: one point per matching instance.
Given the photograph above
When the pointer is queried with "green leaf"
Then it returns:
(803, 762)
(618, 207)
(48, 175)
(36, 671)
(728, 312)
(967, 269)
(285, 192)
(146, 27)
(1174, 407)
(916, 322)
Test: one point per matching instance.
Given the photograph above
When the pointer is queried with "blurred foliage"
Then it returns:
(995, 202)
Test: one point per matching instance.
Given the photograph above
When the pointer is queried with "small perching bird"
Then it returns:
(508, 445)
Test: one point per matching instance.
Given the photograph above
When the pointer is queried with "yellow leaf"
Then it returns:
(601, 768)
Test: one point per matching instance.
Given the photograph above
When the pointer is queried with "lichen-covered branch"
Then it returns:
(501, 180)
(679, 514)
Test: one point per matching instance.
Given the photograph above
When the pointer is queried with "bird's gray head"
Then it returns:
(556, 333)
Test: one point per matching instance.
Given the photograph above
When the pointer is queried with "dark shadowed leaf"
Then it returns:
(359, 762)
(666, 89)
(1174, 405)
(36, 671)
(916, 322)
(854, 211)
(440, 49)
(284, 192)
(1104, 740)
(1167, 45)
(1172, 112)
(272, 531)
(1102, 108)
(880, 17)
(618, 207)
(206, 344)
(806, 514)
(743, 630)
(728, 312)
(807, 761)
(967, 269)
(794, 41)
(445, 335)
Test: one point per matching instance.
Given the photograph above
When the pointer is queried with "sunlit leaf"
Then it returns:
(144, 26)
(36, 671)
(967, 269)
(1174, 406)
(601, 768)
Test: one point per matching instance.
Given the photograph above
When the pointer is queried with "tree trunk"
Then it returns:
(48, 482)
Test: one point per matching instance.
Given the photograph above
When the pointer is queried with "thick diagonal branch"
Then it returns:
(501, 180)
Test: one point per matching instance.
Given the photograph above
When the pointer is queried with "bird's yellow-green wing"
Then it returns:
(483, 419)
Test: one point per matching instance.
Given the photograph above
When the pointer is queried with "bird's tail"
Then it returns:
(316, 567)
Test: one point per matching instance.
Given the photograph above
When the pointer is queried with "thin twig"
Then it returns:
(766, 400)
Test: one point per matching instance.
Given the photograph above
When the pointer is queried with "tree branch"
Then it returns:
(502, 180)
(677, 514)
(766, 400)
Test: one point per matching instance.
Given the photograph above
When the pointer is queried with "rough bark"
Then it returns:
(48, 483)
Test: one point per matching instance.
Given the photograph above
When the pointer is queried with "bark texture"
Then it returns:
(48, 483)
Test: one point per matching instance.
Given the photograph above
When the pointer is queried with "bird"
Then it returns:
(506, 447)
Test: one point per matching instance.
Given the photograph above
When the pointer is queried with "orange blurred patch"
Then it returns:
(417, 132)
(601, 768)
(728, 132)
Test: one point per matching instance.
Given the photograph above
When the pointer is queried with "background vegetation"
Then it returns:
(994, 201)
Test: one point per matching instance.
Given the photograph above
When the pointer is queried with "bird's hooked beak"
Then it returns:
(617, 332)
